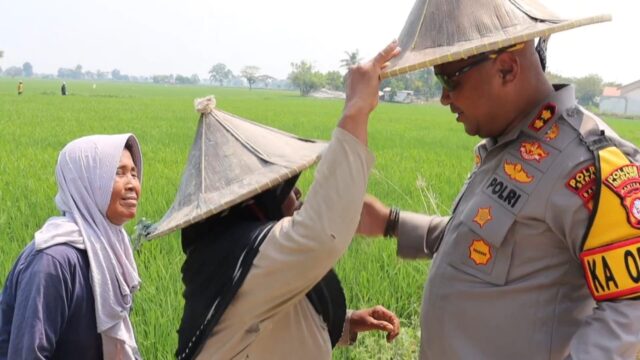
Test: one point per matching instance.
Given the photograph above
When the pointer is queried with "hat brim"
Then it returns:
(412, 60)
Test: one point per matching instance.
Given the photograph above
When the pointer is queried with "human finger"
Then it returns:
(387, 53)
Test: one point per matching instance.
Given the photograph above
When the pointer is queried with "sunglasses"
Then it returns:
(448, 81)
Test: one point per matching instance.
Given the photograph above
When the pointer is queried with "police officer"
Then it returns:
(540, 258)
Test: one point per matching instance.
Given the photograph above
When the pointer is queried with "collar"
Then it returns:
(562, 99)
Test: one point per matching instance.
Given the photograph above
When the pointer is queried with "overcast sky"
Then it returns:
(146, 37)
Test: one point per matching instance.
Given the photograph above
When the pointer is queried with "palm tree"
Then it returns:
(352, 59)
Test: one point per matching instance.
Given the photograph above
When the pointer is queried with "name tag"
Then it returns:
(613, 271)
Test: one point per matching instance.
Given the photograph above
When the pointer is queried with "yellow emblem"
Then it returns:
(552, 133)
(516, 172)
(477, 160)
(480, 252)
(483, 216)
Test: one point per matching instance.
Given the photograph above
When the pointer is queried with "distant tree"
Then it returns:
(160, 79)
(612, 84)
(13, 71)
(115, 74)
(89, 75)
(588, 89)
(195, 79)
(250, 73)
(27, 69)
(558, 79)
(1, 54)
(304, 77)
(101, 75)
(266, 79)
(220, 73)
(334, 80)
(352, 59)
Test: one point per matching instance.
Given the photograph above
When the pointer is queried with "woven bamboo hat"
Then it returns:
(441, 31)
(232, 160)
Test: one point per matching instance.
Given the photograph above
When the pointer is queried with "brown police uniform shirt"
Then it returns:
(270, 316)
(506, 281)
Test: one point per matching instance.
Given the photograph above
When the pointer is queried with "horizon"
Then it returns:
(146, 39)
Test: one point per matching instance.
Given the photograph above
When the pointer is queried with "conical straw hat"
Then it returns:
(441, 31)
(232, 160)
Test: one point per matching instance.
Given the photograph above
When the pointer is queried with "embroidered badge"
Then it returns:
(583, 184)
(477, 160)
(625, 182)
(552, 133)
(532, 151)
(543, 117)
(483, 216)
(480, 252)
(516, 172)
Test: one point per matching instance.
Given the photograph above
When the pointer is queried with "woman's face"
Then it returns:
(126, 191)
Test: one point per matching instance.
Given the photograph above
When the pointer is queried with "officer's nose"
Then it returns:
(445, 97)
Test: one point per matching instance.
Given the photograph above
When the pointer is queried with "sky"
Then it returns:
(147, 37)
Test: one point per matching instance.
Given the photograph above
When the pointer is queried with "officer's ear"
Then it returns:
(508, 67)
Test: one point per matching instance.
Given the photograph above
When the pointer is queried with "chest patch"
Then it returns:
(544, 116)
(483, 216)
(583, 184)
(480, 252)
(552, 133)
(516, 172)
(533, 151)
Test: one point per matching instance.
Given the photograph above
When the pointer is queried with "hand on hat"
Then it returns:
(363, 81)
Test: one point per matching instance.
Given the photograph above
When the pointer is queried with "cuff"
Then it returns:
(348, 337)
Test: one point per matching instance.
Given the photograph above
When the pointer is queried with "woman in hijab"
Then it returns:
(69, 294)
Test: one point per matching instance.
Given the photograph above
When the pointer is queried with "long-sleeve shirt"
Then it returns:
(47, 308)
(506, 281)
(270, 316)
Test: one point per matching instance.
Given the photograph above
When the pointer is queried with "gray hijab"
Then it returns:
(85, 174)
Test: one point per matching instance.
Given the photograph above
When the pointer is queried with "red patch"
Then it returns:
(544, 116)
(533, 151)
(583, 184)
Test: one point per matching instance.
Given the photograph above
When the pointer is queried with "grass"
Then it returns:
(414, 145)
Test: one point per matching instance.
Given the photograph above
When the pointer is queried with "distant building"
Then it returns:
(402, 96)
(622, 101)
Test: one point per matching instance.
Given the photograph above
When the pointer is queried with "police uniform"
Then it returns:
(518, 264)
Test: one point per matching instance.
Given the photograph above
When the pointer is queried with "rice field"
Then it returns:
(419, 149)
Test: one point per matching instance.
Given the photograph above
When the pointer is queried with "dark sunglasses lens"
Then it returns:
(444, 81)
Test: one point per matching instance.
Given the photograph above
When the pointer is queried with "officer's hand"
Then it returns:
(373, 217)
(375, 318)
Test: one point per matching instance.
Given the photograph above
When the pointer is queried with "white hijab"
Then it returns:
(85, 174)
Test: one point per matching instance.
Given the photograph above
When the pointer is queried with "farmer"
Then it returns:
(69, 294)
(20, 88)
(258, 271)
(63, 89)
(539, 258)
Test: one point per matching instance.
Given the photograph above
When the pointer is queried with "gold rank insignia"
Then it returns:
(532, 151)
(552, 133)
(480, 252)
(516, 172)
(477, 160)
(483, 216)
(544, 116)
